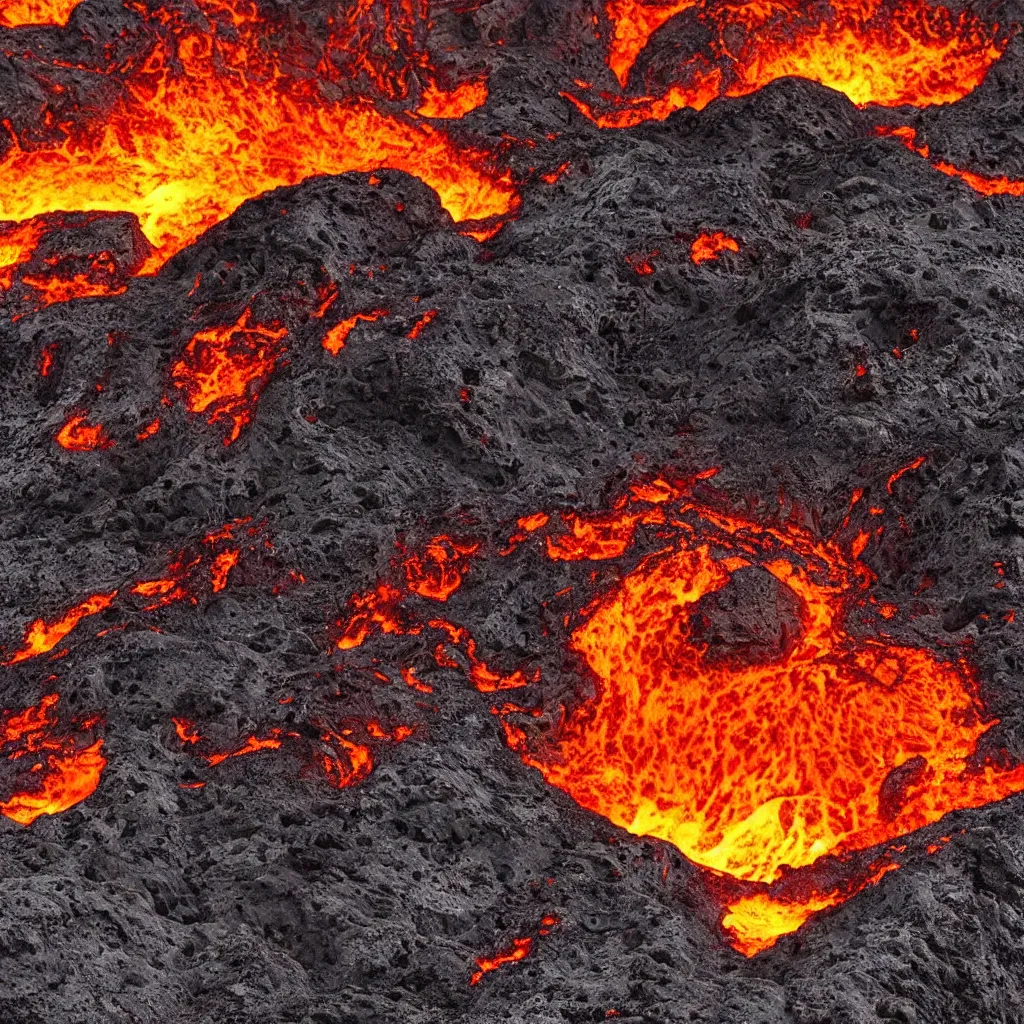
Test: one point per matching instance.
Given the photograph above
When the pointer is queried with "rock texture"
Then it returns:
(269, 896)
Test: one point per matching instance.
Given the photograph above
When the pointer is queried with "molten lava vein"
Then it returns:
(211, 118)
(1000, 185)
(886, 52)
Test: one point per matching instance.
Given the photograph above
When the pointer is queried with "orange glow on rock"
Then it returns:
(214, 115)
(149, 430)
(467, 96)
(348, 763)
(252, 745)
(437, 572)
(42, 636)
(223, 370)
(985, 185)
(418, 328)
(20, 13)
(596, 537)
(903, 471)
(186, 730)
(754, 923)
(78, 435)
(222, 564)
(519, 950)
(633, 23)
(756, 766)
(335, 338)
(886, 52)
(707, 246)
(51, 290)
(18, 244)
(63, 773)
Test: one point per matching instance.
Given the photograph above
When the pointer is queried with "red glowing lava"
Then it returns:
(78, 435)
(986, 185)
(886, 52)
(421, 325)
(437, 572)
(709, 245)
(42, 636)
(252, 745)
(20, 13)
(335, 338)
(455, 104)
(835, 744)
(226, 106)
(223, 370)
(519, 950)
(186, 730)
(63, 772)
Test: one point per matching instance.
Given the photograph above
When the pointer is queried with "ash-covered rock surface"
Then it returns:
(551, 374)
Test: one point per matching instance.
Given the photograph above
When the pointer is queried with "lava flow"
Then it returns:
(986, 185)
(42, 636)
(709, 245)
(215, 114)
(78, 435)
(63, 771)
(756, 767)
(21, 13)
(223, 370)
(886, 52)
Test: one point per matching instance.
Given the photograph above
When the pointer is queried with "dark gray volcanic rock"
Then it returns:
(268, 896)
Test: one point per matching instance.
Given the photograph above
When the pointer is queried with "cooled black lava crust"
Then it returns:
(270, 897)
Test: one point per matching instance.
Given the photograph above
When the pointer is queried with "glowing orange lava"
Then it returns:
(220, 111)
(186, 730)
(754, 766)
(633, 23)
(335, 338)
(19, 13)
(466, 97)
(17, 246)
(519, 950)
(78, 435)
(42, 636)
(223, 370)
(252, 745)
(754, 923)
(987, 186)
(421, 325)
(63, 772)
(886, 52)
(708, 245)
(437, 572)
(222, 564)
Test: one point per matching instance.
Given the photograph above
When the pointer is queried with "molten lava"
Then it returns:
(63, 772)
(437, 572)
(42, 636)
(78, 435)
(223, 370)
(519, 950)
(223, 108)
(836, 744)
(886, 52)
(335, 338)
(986, 185)
(708, 245)
(20, 13)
